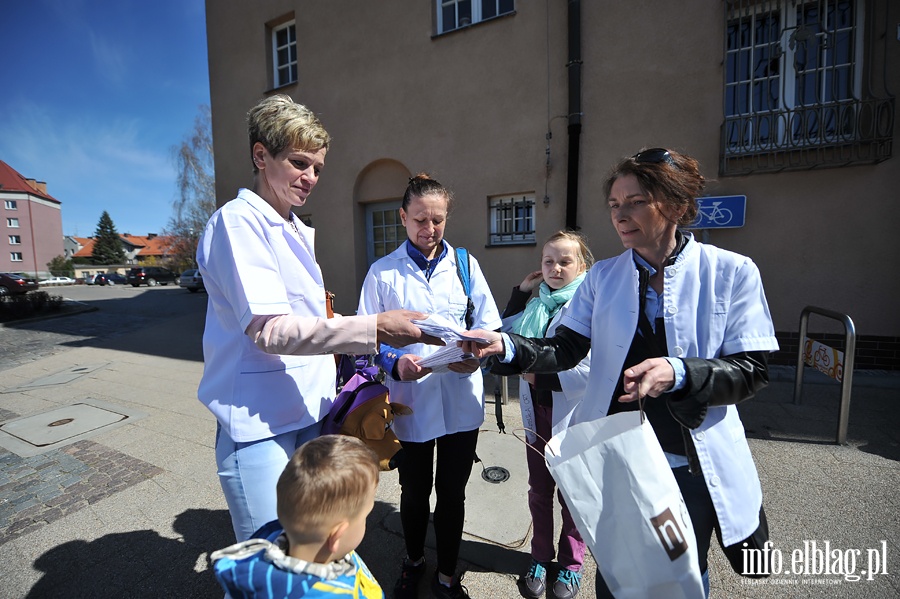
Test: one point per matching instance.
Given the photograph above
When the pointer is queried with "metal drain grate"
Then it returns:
(495, 474)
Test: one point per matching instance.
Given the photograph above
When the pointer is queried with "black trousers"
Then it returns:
(455, 456)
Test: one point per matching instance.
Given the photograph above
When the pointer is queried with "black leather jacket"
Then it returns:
(709, 382)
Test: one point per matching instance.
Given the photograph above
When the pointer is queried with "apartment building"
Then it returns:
(31, 221)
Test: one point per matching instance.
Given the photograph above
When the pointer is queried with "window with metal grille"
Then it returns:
(453, 14)
(794, 83)
(384, 231)
(284, 54)
(512, 219)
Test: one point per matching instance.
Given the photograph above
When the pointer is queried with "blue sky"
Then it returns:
(95, 95)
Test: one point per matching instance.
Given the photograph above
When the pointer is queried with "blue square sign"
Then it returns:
(720, 212)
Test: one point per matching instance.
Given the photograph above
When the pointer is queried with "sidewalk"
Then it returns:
(133, 507)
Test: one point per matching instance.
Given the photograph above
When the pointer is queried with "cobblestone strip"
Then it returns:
(42, 489)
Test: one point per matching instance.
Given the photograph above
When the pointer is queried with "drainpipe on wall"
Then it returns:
(574, 70)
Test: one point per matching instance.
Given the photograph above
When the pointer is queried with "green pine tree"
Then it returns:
(107, 244)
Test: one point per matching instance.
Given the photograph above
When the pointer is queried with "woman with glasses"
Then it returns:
(684, 325)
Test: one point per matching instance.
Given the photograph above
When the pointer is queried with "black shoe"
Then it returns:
(454, 591)
(407, 586)
(567, 584)
(534, 583)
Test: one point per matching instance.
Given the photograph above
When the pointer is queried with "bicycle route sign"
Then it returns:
(720, 212)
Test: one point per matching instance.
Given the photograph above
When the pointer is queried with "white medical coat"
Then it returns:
(714, 305)
(254, 264)
(442, 404)
(573, 383)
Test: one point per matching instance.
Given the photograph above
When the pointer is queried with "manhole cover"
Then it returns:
(495, 474)
(59, 424)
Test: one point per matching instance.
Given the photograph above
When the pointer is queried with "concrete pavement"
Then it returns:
(132, 508)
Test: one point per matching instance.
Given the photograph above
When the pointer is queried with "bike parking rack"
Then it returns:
(847, 373)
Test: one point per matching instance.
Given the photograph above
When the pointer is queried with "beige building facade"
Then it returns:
(521, 108)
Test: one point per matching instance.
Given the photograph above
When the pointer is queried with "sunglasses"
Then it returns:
(654, 156)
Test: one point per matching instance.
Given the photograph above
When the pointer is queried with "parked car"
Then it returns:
(151, 276)
(192, 280)
(110, 278)
(14, 283)
(58, 281)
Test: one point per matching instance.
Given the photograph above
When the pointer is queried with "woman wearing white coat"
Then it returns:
(267, 376)
(683, 323)
(447, 408)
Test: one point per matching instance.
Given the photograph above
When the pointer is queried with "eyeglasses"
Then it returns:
(654, 156)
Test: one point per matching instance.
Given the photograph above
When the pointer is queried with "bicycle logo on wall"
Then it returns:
(720, 212)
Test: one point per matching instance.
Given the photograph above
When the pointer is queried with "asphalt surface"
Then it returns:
(134, 508)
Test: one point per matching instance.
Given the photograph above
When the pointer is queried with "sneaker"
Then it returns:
(567, 584)
(407, 586)
(454, 591)
(534, 583)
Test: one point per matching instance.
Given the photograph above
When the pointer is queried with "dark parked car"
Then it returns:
(14, 283)
(192, 280)
(109, 278)
(151, 275)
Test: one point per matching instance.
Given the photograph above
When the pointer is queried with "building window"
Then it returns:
(384, 231)
(12, 223)
(10, 205)
(284, 54)
(793, 80)
(512, 219)
(15, 240)
(15, 256)
(453, 14)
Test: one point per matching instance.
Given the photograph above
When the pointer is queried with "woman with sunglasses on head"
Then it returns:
(683, 325)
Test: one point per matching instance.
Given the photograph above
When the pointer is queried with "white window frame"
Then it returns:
(776, 122)
(393, 234)
(15, 257)
(291, 63)
(11, 205)
(476, 9)
(512, 219)
(15, 240)
(12, 223)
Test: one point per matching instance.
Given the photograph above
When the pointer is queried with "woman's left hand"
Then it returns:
(652, 378)
(464, 367)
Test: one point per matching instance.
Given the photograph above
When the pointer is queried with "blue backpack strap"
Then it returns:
(463, 264)
(462, 269)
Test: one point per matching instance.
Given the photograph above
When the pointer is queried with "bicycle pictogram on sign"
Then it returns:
(720, 212)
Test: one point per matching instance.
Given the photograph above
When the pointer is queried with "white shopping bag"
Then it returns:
(627, 506)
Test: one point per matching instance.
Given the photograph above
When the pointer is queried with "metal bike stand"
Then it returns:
(847, 375)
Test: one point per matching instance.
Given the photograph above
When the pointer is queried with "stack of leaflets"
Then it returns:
(450, 333)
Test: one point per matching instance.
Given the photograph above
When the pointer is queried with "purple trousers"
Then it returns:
(541, 491)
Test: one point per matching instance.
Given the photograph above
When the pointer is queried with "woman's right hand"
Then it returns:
(531, 281)
(409, 370)
(395, 329)
(482, 350)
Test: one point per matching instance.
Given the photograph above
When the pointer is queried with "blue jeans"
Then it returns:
(703, 517)
(248, 473)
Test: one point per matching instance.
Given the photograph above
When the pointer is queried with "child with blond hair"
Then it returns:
(324, 496)
(547, 401)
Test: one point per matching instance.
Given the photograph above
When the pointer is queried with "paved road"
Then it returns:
(121, 309)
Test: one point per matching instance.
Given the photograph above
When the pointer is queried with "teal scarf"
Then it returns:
(541, 310)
